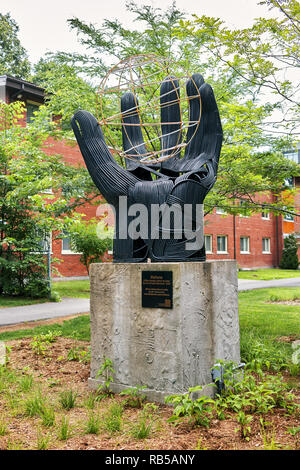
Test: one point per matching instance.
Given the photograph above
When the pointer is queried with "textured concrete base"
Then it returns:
(165, 350)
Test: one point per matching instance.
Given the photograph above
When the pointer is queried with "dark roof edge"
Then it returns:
(19, 84)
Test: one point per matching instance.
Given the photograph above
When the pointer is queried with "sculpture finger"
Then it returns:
(133, 142)
(195, 131)
(212, 129)
(171, 126)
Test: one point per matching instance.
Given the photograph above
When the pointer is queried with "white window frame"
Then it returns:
(269, 240)
(265, 215)
(288, 218)
(220, 211)
(226, 244)
(247, 243)
(211, 243)
(67, 252)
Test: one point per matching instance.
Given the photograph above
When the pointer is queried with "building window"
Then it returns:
(244, 244)
(222, 244)
(288, 218)
(265, 215)
(66, 246)
(208, 243)
(266, 245)
(31, 109)
(220, 211)
(244, 212)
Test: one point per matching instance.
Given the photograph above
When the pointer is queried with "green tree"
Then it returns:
(251, 160)
(13, 56)
(265, 56)
(289, 259)
(86, 241)
(39, 194)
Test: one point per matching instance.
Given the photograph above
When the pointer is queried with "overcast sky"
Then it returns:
(43, 25)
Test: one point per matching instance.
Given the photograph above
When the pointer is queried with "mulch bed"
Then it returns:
(54, 373)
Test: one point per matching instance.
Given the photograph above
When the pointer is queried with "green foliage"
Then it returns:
(42, 440)
(93, 424)
(86, 241)
(106, 372)
(13, 57)
(90, 401)
(3, 428)
(40, 343)
(79, 354)
(113, 419)
(199, 410)
(253, 395)
(134, 397)
(28, 212)
(68, 399)
(65, 431)
(143, 427)
(35, 405)
(26, 383)
(244, 422)
(48, 417)
(289, 259)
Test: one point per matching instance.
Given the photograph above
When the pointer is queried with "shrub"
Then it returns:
(289, 258)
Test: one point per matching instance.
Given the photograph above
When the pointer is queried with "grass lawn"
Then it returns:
(72, 288)
(262, 323)
(269, 274)
(18, 301)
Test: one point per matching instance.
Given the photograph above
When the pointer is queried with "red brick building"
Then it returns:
(254, 241)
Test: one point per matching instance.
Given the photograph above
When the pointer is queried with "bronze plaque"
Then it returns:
(157, 289)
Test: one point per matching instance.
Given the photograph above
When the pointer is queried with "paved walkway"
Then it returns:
(246, 284)
(70, 306)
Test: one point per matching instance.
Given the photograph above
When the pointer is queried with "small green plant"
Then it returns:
(3, 428)
(134, 397)
(64, 432)
(42, 440)
(79, 354)
(40, 343)
(14, 444)
(68, 399)
(48, 417)
(39, 346)
(90, 401)
(105, 373)
(244, 422)
(269, 439)
(35, 405)
(198, 411)
(93, 424)
(26, 382)
(55, 297)
(200, 446)
(113, 419)
(294, 430)
(143, 428)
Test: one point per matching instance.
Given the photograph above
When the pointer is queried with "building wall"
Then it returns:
(234, 227)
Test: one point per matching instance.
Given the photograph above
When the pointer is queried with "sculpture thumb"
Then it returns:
(110, 178)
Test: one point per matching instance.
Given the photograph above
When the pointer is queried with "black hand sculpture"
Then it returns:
(174, 182)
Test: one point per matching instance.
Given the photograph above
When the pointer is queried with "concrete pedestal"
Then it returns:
(166, 350)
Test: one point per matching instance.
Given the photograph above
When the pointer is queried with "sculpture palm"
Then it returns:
(176, 180)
